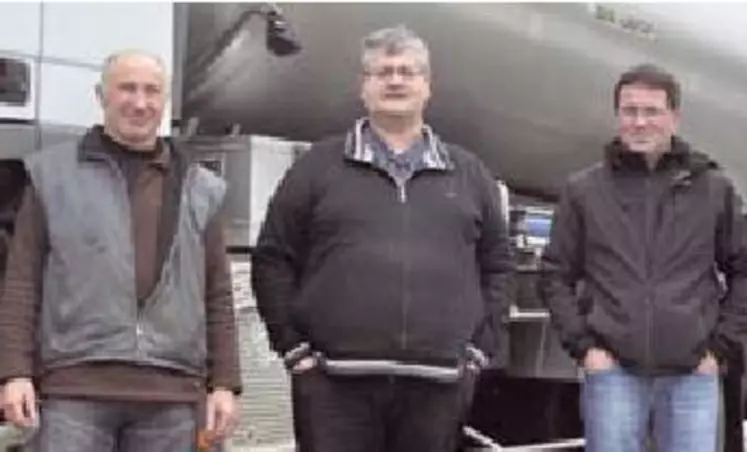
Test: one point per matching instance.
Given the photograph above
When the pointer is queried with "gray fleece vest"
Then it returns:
(89, 308)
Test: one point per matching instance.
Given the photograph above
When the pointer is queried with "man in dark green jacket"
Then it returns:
(656, 233)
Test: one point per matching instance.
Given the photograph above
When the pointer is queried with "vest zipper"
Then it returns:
(139, 333)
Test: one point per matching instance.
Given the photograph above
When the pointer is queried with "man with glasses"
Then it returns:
(656, 233)
(383, 269)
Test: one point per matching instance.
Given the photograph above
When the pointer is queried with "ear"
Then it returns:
(361, 78)
(362, 88)
(676, 118)
(100, 94)
(429, 88)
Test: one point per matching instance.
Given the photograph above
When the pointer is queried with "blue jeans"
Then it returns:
(619, 406)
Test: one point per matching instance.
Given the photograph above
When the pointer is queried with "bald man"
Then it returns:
(117, 319)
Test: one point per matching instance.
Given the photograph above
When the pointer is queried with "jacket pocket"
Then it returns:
(677, 336)
(613, 331)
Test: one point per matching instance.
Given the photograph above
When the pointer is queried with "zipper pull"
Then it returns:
(402, 194)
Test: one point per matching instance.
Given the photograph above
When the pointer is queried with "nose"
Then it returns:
(396, 78)
(639, 120)
(140, 100)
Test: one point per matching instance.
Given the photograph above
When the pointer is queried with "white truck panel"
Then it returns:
(66, 43)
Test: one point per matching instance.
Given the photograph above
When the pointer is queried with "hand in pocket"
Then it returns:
(598, 360)
(305, 365)
(708, 365)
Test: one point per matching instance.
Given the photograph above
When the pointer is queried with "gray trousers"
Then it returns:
(68, 425)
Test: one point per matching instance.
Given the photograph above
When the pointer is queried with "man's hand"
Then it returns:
(19, 403)
(472, 367)
(305, 364)
(708, 365)
(222, 413)
(597, 360)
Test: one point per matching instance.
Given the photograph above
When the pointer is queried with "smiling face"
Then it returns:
(133, 96)
(646, 121)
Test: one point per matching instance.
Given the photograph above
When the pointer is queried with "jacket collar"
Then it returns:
(436, 155)
(93, 146)
(620, 157)
(685, 162)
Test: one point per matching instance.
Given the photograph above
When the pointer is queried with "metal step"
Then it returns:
(488, 444)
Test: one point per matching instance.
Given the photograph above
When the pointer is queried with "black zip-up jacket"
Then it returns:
(662, 258)
(380, 278)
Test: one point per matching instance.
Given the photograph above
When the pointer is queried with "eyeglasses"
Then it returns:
(632, 112)
(387, 72)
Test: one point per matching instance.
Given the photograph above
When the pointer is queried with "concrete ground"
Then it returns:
(12, 437)
(278, 448)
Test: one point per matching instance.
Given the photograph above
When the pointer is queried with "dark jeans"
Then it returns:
(68, 425)
(618, 406)
(378, 413)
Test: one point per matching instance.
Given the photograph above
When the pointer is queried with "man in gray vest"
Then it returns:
(118, 317)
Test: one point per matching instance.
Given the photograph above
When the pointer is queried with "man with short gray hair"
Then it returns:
(382, 270)
(117, 316)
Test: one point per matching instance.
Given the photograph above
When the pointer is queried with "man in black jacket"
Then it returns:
(657, 236)
(382, 270)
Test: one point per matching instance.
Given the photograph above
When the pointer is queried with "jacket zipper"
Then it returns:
(648, 264)
(402, 195)
(402, 190)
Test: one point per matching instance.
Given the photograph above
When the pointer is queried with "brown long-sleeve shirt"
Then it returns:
(19, 306)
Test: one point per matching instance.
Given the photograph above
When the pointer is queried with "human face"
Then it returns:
(396, 85)
(133, 96)
(646, 122)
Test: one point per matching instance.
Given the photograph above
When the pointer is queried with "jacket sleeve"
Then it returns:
(727, 341)
(561, 268)
(496, 266)
(222, 335)
(21, 297)
(278, 259)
